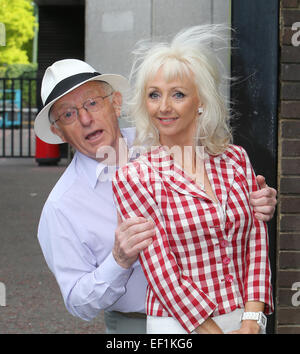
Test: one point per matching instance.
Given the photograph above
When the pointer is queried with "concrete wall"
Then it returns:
(114, 26)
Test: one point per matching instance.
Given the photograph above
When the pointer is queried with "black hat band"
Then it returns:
(67, 83)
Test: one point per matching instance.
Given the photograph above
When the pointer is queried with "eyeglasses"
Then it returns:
(91, 105)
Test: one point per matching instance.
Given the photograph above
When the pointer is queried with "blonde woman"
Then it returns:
(207, 268)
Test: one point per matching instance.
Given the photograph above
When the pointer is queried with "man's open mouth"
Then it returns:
(94, 135)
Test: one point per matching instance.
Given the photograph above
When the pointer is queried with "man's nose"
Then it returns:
(84, 116)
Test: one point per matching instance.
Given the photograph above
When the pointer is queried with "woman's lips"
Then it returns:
(167, 120)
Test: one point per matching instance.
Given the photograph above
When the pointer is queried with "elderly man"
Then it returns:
(95, 262)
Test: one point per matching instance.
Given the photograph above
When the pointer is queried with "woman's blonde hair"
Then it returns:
(190, 51)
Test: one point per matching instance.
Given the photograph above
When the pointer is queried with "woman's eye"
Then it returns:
(178, 95)
(153, 95)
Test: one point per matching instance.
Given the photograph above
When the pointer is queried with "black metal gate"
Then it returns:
(18, 109)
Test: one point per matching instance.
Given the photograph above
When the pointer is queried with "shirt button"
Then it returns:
(228, 224)
(224, 243)
(229, 278)
(226, 260)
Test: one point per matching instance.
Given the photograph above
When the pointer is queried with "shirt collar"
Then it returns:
(93, 169)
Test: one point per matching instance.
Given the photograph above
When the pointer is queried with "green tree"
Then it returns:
(18, 18)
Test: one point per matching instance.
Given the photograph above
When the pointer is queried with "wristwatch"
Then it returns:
(259, 317)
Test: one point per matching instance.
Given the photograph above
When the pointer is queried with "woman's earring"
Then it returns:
(200, 110)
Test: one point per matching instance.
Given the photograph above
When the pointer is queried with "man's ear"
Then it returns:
(57, 131)
(117, 102)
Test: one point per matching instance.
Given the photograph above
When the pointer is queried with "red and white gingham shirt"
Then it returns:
(207, 258)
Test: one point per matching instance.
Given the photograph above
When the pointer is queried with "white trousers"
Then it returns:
(169, 325)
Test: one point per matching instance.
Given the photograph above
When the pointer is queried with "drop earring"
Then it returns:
(200, 110)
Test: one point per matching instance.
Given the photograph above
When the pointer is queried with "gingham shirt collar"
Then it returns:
(172, 174)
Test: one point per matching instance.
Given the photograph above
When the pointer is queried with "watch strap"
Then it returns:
(250, 316)
(255, 316)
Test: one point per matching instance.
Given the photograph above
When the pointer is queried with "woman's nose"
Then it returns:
(165, 104)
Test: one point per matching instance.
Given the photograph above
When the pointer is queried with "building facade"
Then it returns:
(288, 225)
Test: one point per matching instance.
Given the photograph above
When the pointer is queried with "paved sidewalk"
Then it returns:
(33, 300)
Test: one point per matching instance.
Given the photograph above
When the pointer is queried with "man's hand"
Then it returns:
(131, 237)
(264, 200)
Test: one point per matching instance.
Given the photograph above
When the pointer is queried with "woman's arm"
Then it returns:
(257, 283)
(209, 326)
(250, 326)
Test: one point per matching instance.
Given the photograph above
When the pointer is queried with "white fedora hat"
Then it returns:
(61, 78)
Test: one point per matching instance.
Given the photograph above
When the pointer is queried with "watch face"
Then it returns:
(262, 320)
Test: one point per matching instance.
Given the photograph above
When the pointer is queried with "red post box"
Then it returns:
(46, 154)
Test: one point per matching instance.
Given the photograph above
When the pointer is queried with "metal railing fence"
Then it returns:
(18, 109)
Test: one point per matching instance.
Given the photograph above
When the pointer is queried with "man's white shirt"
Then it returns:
(76, 233)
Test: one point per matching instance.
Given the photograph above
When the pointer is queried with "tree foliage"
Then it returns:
(19, 20)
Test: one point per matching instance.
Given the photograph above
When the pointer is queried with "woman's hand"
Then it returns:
(250, 326)
(209, 326)
(247, 327)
